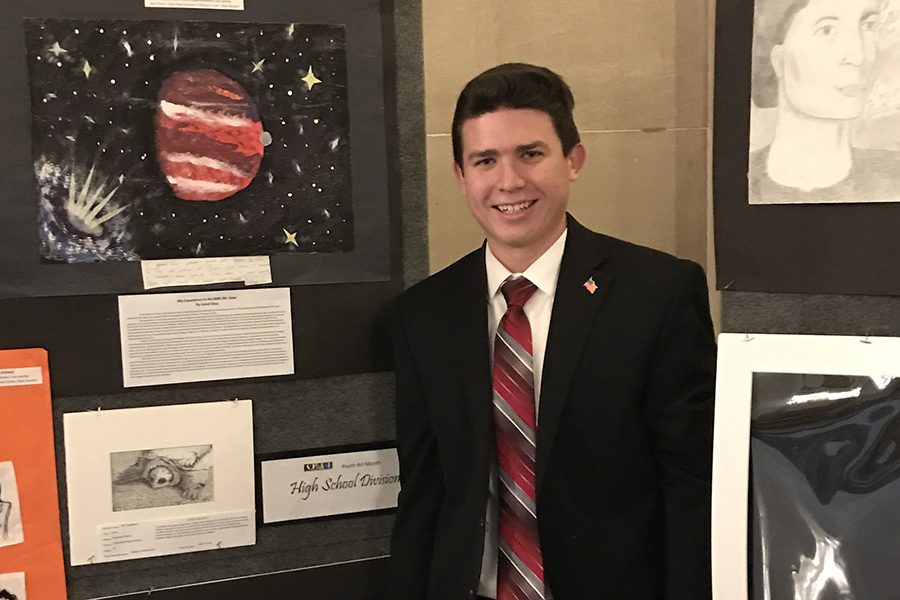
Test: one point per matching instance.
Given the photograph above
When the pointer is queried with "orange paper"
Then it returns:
(27, 441)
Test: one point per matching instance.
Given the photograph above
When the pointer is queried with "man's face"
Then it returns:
(825, 61)
(516, 179)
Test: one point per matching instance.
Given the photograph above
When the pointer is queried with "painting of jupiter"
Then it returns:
(176, 139)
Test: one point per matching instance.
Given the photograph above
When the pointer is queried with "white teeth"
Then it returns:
(511, 208)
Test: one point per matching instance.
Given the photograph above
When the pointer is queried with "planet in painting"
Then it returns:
(209, 138)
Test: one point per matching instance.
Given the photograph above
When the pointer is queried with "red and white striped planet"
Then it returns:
(209, 137)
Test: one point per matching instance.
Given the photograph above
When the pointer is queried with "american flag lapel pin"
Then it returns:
(590, 285)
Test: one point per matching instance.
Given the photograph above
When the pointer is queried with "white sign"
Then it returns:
(205, 336)
(249, 270)
(159, 480)
(202, 4)
(21, 376)
(330, 484)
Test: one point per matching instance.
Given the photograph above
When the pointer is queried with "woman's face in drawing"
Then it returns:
(823, 66)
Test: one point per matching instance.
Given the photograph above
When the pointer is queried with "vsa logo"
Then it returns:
(322, 466)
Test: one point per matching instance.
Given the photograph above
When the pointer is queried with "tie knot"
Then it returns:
(517, 291)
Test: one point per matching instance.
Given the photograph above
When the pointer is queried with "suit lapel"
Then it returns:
(575, 309)
(467, 330)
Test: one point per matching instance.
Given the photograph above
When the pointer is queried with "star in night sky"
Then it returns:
(165, 139)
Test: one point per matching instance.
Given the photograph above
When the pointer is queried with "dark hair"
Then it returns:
(773, 20)
(7, 595)
(517, 85)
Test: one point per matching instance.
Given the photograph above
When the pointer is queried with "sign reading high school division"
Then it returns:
(330, 484)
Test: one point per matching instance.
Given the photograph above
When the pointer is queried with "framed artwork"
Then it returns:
(158, 134)
(807, 429)
(806, 163)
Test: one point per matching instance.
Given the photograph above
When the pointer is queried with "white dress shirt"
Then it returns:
(543, 273)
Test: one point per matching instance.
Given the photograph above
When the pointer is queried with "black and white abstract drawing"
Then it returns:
(162, 477)
(825, 110)
(825, 464)
(174, 139)
(12, 586)
(11, 531)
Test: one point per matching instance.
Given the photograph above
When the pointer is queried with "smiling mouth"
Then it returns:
(514, 208)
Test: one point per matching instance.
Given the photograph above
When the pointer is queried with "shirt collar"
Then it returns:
(543, 273)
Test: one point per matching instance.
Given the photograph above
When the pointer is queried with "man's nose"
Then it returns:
(510, 175)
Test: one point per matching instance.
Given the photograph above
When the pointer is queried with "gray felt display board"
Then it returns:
(319, 409)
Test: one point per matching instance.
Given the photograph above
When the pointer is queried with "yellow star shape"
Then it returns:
(310, 80)
(257, 66)
(86, 69)
(290, 238)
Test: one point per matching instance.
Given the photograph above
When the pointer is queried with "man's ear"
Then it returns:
(460, 177)
(577, 156)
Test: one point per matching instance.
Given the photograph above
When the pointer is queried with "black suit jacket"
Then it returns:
(624, 435)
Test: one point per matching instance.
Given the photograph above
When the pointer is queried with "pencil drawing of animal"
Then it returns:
(186, 468)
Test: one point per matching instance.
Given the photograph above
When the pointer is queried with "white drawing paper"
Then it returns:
(159, 480)
(11, 531)
(205, 336)
(825, 109)
(12, 586)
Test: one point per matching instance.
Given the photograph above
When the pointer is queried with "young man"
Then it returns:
(554, 387)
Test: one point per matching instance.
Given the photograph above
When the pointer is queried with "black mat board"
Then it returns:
(373, 189)
(810, 248)
(335, 332)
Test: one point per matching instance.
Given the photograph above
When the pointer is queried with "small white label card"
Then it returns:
(208, 4)
(205, 336)
(13, 584)
(329, 484)
(159, 480)
(249, 270)
(141, 539)
(21, 376)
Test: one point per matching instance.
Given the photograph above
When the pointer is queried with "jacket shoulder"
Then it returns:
(448, 278)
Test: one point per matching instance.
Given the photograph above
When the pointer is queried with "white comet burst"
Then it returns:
(333, 144)
(84, 206)
(128, 49)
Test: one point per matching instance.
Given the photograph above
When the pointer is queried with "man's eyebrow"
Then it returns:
(482, 154)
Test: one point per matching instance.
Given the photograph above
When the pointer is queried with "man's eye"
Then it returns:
(483, 162)
(532, 154)
(825, 30)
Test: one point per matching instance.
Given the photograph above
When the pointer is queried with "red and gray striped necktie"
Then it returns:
(520, 568)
